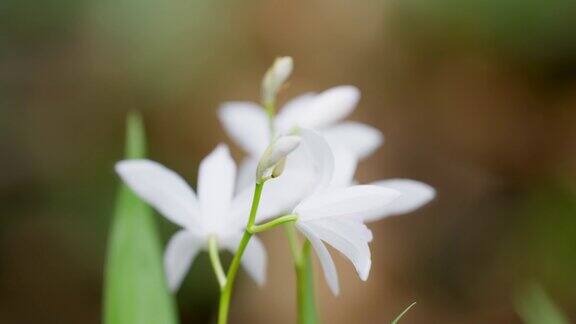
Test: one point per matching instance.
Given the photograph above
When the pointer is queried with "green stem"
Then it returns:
(293, 241)
(215, 260)
(270, 107)
(271, 224)
(307, 313)
(226, 291)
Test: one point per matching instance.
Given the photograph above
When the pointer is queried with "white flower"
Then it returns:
(213, 212)
(248, 125)
(333, 214)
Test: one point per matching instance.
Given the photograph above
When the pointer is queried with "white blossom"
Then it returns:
(213, 212)
(334, 214)
(248, 125)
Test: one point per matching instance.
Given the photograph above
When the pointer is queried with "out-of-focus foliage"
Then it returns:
(135, 289)
(536, 307)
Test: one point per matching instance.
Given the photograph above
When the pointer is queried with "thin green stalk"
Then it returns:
(226, 291)
(215, 260)
(270, 107)
(397, 319)
(307, 313)
(271, 224)
(293, 241)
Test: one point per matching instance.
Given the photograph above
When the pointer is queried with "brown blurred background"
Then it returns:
(477, 98)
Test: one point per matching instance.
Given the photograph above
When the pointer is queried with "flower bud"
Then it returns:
(272, 162)
(275, 77)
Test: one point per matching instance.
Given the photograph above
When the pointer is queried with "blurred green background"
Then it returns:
(477, 98)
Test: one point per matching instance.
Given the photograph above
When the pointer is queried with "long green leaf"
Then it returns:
(535, 307)
(135, 290)
(307, 312)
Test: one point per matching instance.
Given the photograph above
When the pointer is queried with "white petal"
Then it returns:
(216, 177)
(180, 252)
(330, 107)
(246, 174)
(414, 194)
(254, 259)
(345, 163)
(359, 138)
(330, 273)
(247, 124)
(320, 155)
(162, 188)
(293, 112)
(353, 202)
(350, 237)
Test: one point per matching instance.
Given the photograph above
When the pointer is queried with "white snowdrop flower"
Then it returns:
(333, 214)
(275, 77)
(248, 125)
(213, 212)
(273, 160)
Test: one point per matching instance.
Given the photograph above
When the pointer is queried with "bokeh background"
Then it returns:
(477, 98)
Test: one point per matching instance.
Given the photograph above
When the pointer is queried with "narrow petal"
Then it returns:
(247, 124)
(359, 138)
(345, 163)
(350, 237)
(254, 259)
(330, 107)
(180, 252)
(328, 266)
(293, 112)
(353, 202)
(163, 189)
(413, 195)
(216, 177)
(320, 155)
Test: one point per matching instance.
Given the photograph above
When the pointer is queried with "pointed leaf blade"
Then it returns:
(135, 290)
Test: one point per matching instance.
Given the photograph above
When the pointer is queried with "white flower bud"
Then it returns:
(271, 163)
(275, 77)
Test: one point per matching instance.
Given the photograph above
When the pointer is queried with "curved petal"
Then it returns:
(216, 177)
(328, 266)
(320, 155)
(293, 112)
(350, 237)
(413, 195)
(330, 107)
(345, 163)
(247, 124)
(359, 138)
(353, 202)
(254, 259)
(162, 188)
(180, 252)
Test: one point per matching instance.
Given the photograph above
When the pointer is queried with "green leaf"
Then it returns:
(535, 307)
(399, 317)
(135, 290)
(307, 312)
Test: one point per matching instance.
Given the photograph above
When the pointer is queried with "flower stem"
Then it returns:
(215, 260)
(271, 224)
(226, 291)
(307, 313)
